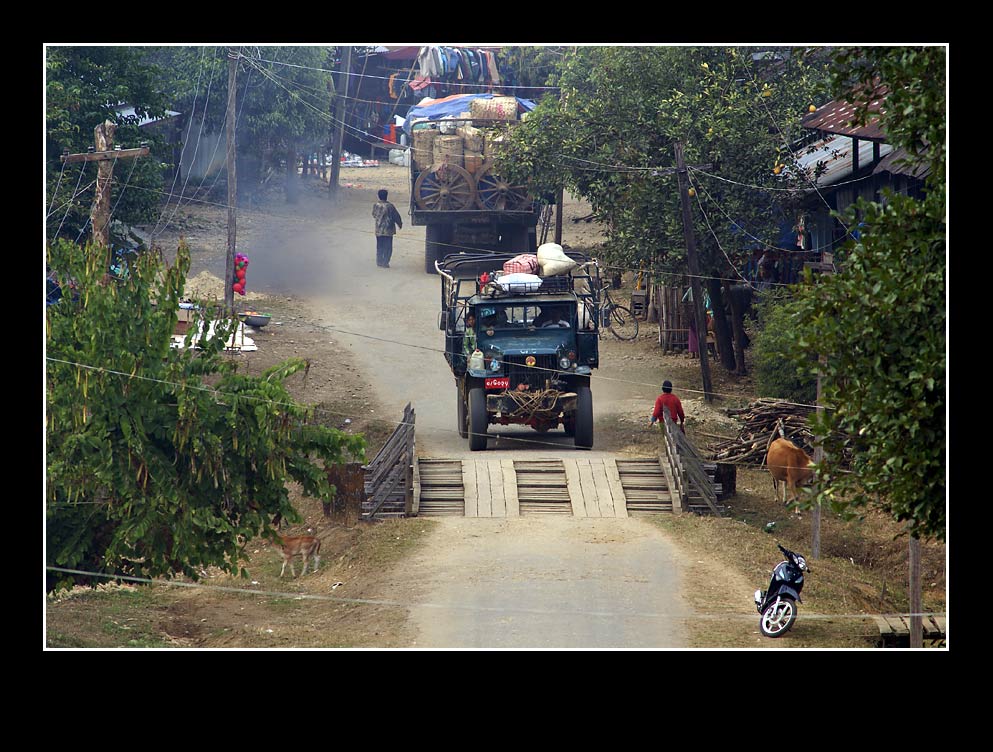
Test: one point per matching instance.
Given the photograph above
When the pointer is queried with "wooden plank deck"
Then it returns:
(580, 486)
(894, 630)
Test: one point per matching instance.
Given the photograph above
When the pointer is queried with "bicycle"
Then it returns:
(618, 318)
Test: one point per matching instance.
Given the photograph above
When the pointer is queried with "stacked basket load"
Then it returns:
(466, 141)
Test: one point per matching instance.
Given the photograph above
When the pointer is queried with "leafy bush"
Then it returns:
(161, 460)
(772, 332)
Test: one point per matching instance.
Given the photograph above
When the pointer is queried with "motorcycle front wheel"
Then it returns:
(778, 617)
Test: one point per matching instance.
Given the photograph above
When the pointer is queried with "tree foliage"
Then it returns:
(84, 86)
(610, 138)
(160, 460)
(880, 322)
(772, 334)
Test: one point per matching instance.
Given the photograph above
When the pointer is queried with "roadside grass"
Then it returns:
(269, 612)
(106, 616)
(862, 571)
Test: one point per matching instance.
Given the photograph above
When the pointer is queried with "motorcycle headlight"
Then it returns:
(802, 562)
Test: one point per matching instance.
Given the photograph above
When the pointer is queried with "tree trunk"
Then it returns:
(349, 483)
(721, 330)
(292, 181)
(737, 295)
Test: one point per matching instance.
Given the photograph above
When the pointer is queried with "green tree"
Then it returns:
(880, 322)
(84, 86)
(163, 460)
(609, 137)
(773, 333)
(283, 99)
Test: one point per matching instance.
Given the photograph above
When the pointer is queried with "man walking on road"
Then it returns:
(387, 220)
(670, 401)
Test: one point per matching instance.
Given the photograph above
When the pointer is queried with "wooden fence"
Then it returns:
(691, 483)
(389, 478)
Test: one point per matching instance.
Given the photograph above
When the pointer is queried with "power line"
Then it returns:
(196, 93)
(73, 198)
(296, 595)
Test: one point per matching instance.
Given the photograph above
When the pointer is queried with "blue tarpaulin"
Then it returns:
(453, 106)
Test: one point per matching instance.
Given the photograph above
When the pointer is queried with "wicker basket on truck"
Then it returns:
(456, 192)
(521, 352)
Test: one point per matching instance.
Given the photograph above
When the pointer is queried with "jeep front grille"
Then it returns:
(534, 376)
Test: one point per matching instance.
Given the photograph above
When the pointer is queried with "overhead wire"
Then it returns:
(72, 198)
(409, 604)
(786, 141)
(55, 193)
(445, 83)
(182, 152)
(196, 148)
(217, 144)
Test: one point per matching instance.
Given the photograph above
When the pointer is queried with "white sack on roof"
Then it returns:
(553, 260)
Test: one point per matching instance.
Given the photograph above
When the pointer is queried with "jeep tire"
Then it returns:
(478, 420)
(584, 418)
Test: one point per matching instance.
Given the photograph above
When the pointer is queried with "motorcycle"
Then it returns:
(777, 605)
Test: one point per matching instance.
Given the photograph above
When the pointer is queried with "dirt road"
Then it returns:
(533, 582)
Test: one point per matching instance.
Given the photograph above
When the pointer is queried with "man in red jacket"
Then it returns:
(669, 400)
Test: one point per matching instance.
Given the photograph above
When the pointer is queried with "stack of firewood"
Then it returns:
(761, 419)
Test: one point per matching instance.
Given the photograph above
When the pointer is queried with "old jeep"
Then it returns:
(521, 354)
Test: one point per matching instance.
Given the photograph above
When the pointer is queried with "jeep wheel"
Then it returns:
(584, 418)
(478, 420)
(463, 414)
(569, 424)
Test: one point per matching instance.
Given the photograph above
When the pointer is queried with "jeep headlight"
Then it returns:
(495, 364)
(564, 363)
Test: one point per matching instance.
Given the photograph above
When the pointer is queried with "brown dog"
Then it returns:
(305, 546)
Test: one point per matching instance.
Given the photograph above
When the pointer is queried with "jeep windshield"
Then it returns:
(525, 317)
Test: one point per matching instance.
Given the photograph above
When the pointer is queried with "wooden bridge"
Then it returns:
(576, 486)
(397, 483)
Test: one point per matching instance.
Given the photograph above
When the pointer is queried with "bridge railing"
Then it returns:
(389, 478)
(687, 468)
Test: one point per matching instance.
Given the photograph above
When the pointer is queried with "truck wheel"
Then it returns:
(584, 418)
(463, 414)
(436, 246)
(478, 420)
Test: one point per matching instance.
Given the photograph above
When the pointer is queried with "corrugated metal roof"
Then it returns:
(895, 164)
(836, 154)
(129, 112)
(836, 117)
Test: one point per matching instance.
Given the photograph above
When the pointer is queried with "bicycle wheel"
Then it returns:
(622, 323)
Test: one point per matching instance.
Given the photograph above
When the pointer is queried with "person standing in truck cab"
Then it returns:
(469, 336)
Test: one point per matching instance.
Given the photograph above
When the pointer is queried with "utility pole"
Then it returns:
(339, 113)
(105, 155)
(825, 266)
(232, 184)
(691, 261)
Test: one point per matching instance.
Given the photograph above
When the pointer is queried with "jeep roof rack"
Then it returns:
(469, 265)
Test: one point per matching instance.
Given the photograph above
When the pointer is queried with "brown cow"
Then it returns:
(788, 464)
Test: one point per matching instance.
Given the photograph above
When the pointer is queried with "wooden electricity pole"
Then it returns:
(232, 154)
(691, 261)
(105, 155)
(339, 113)
(825, 266)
